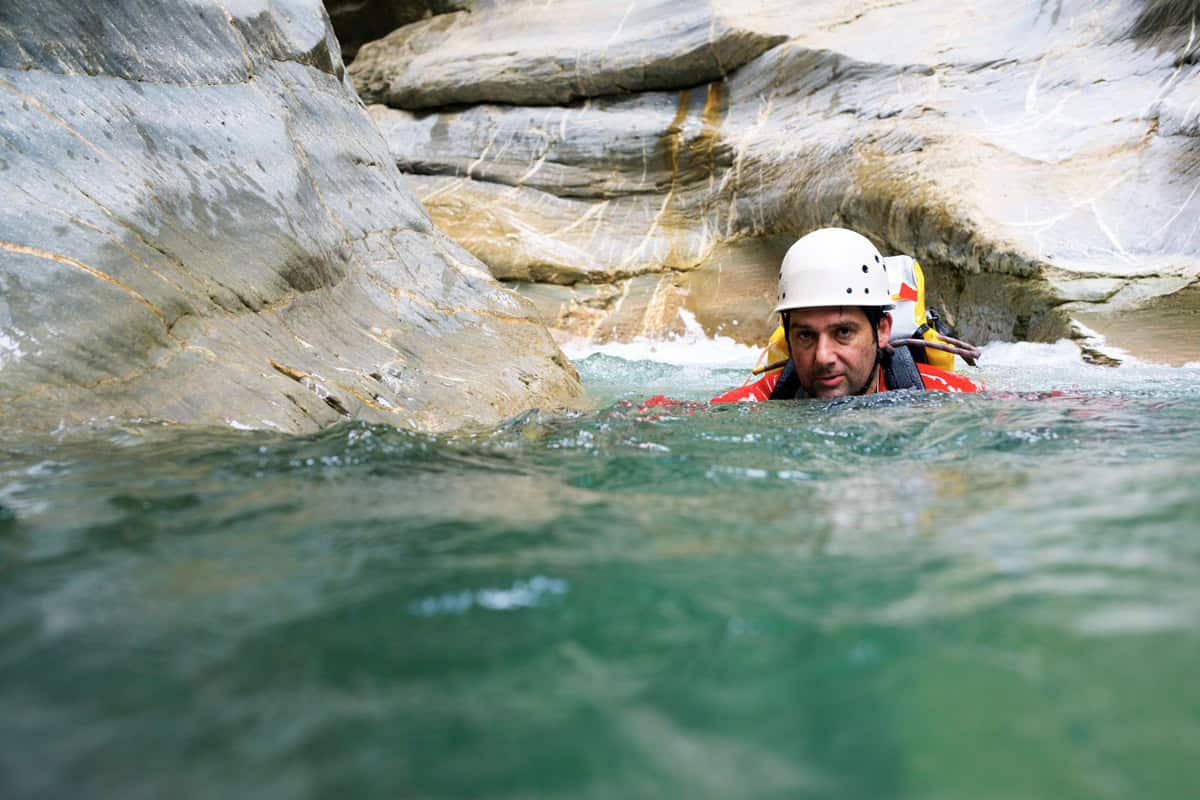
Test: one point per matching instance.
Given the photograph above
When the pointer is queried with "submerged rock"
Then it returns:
(202, 224)
(1041, 162)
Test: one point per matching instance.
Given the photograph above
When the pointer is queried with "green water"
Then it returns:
(907, 597)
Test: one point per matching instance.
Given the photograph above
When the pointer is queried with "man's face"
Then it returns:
(833, 349)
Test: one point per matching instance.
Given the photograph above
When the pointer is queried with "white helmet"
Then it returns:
(833, 267)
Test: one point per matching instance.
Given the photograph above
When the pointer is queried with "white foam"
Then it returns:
(1097, 341)
(691, 348)
(1063, 353)
(522, 594)
(9, 348)
(1002, 365)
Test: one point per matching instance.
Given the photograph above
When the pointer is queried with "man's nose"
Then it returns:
(825, 350)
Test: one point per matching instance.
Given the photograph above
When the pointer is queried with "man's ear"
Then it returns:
(885, 327)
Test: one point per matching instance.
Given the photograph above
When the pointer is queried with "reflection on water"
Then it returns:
(904, 596)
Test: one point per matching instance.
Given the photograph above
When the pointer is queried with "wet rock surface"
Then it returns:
(201, 224)
(1041, 161)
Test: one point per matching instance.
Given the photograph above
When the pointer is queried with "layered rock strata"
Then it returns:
(201, 224)
(1041, 162)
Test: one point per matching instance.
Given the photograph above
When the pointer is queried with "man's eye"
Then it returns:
(845, 333)
(803, 336)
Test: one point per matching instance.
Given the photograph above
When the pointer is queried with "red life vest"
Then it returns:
(934, 379)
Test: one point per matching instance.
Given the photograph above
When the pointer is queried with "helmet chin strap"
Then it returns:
(874, 376)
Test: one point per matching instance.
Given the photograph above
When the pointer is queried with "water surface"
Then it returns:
(925, 596)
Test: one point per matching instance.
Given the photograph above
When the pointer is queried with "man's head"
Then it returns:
(835, 348)
(833, 296)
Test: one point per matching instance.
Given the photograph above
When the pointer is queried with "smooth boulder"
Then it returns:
(202, 225)
(527, 53)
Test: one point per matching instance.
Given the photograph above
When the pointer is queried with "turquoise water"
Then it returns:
(926, 596)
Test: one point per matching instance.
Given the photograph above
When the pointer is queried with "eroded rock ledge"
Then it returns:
(359, 21)
(202, 224)
(1042, 162)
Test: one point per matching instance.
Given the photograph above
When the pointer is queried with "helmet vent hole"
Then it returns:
(865, 267)
(866, 291)
(848, 290)
(877, 259)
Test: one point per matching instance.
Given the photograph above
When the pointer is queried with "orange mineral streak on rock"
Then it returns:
(75, 263)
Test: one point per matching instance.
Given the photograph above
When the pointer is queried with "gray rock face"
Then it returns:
(549, 53)
(201, 224)
(1041, 162)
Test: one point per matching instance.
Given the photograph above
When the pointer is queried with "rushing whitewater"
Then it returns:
(903, 595)
(694, 366)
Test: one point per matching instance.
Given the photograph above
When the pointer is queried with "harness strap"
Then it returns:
(788, 386)
(918, 350)
(900, 370)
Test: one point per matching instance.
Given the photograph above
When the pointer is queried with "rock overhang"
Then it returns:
(1044, 149)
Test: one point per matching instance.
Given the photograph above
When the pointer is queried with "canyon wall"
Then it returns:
(619, 162)
(202, 224)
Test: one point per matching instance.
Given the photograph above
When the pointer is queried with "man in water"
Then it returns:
(834, 297)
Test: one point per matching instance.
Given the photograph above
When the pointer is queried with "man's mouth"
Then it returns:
(829, 381)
